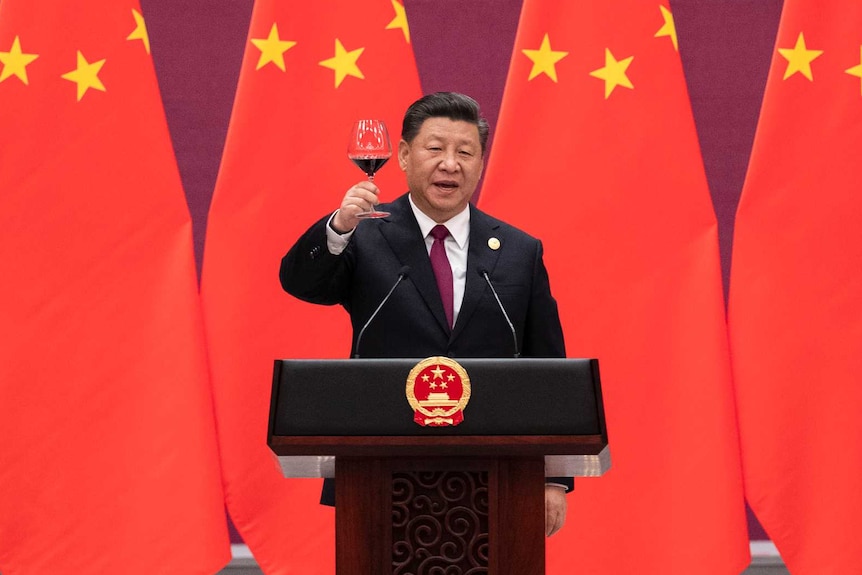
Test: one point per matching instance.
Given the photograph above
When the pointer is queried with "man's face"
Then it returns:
(443, 164)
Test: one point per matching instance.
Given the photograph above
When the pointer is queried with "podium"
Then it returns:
(465, 498)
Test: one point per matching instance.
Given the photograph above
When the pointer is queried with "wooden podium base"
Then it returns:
(462, 515)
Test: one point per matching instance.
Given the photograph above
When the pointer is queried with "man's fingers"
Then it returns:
(360, 198)
(555, 509)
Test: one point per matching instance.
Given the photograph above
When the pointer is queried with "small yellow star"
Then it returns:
(400, 20)
(438, 372)
(344, 63)
(140, 31)
(856, 70)
(15, 62)
(799, 58)
(544, 60)
(613, 73)
(86, 75)
(425, 377)
(272, 49)
(669, 28)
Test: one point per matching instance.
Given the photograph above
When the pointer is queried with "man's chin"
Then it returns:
(448, 205)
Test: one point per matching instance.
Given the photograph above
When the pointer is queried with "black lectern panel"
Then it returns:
(366, 397)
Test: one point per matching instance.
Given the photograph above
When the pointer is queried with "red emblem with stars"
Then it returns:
(438, 389)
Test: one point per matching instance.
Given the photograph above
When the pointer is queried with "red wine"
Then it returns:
(369, 165)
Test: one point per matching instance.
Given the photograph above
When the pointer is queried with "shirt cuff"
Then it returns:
(336, 242)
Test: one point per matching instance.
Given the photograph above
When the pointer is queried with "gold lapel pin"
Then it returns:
(494, 243)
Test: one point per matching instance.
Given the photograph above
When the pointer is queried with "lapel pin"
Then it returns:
(494, 243)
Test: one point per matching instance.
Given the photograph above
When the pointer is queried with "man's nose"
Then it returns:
(449, 162)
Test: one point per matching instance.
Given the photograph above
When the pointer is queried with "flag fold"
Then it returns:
(110, 463)
(795, 310)
(596, 153)
(310, 70)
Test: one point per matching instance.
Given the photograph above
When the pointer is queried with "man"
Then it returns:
(343, 259)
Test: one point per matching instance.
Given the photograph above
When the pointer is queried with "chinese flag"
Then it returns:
(596, 153)
(795, 304)
(310, 70)
(110, 462)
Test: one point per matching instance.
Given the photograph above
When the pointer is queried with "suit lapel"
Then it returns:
(405, 239)
(480, 256)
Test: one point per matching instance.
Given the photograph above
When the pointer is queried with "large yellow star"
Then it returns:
(15, 62)
(400, 20)
(669, 28)
(613, 73)
(140, 31)
(799, 58)
(544, 60)
(344, 63)
(856, 70)
(86, 75)
(272, 49)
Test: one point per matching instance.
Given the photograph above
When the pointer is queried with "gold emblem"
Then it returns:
(438, 389)
(494, 243)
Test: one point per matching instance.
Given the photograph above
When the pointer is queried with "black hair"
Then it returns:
(450, 105)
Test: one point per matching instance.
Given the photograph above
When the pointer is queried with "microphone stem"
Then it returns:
(401, 276)
(505, 315)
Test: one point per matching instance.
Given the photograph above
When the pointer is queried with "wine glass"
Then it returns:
(369, 148)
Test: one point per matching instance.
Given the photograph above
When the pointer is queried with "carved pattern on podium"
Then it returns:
(440, 523)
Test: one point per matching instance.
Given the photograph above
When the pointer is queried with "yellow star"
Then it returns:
(856, 70)
(544, 60)
(438, 372)
(400, 20)
(344, 63)
(86, 75)
(669, 28)
(799, 58)
(140, 31)
(614, 73)
(15, 62)
(272, 49)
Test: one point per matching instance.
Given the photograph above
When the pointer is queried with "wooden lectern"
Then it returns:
(467, 498)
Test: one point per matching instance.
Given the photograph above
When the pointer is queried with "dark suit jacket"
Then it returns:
(412, 324)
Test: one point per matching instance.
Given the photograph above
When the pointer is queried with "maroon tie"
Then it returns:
(442, 270)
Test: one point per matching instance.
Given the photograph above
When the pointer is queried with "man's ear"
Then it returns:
(403, 152)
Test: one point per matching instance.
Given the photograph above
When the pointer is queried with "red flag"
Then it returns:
(310, 70)
(110, 463)
(596, 153)
(795, 308)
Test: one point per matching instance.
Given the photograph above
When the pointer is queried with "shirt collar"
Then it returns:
(458, 225)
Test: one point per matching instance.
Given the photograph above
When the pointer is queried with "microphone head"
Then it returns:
(483, 271)
(404, 271)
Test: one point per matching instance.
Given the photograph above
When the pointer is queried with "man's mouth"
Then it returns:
(446, 185)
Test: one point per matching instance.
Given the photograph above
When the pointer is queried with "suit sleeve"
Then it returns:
(543, 333)
(543, 336)
(311, 273)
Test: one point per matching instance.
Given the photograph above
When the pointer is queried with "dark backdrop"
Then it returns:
(465, 46)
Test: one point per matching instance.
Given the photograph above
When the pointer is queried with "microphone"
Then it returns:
(402, 273)
(484, 273)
